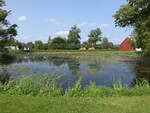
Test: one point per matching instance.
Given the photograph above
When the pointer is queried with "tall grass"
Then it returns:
(47, 86)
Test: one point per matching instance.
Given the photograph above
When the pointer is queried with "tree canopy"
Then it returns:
(74, 38)
(58, 43)
(136, 13)
(94, 36)
(7, 30)
(38, 44)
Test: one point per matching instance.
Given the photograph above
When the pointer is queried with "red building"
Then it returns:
(126, 45)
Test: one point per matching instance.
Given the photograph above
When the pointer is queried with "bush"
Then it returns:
(58, 43)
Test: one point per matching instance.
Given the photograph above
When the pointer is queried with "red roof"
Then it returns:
(126, 45)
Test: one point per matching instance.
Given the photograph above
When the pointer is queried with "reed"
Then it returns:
(47, 86)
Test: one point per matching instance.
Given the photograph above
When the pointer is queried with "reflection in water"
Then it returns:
(101, 69)
(142, 69)
(74, 65)
(4, 76)
(7, 61)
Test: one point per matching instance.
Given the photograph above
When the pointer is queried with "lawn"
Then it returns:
(30, 104)
(39, 94)
(89, 51)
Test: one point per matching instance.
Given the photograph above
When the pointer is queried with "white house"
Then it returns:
(12, 47)
(138, 49)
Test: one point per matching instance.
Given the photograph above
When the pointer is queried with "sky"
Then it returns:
(37, 19)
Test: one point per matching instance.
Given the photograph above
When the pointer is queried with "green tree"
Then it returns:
(136, 13)
(85, 44)
(30, 45)
(45, 46)
(94, 36)
(49, 42)
(7, 30)
(38, 44)
(58, 43)
(74, 38)
(12, 42)
(105, 44)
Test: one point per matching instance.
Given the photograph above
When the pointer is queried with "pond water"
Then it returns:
(101, 69)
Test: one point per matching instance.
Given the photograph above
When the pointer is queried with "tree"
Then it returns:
(136, 13)
(49, 42)
(94, 36)
(74, 38)
(7, 30)
(85, 44)
(58, 43)
(105, 40)
(106, 44)
(30, 45)
(11, 42)
(45, 46)
(38, 44)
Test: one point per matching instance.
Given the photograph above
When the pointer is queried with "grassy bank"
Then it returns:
(90, 51)
(30, 104)
(41, 95)
(10, 54)
(48, 86)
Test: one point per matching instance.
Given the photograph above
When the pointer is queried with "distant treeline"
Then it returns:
(72, 41)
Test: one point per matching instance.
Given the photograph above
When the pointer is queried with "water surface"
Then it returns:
(101, 69)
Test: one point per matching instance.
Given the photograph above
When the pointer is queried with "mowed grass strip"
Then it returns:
(86, 51)
(44, 104)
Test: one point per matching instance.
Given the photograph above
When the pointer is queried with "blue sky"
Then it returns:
(37, 19)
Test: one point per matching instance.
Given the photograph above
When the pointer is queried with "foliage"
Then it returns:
(49, 42)
(58, 43)
(38, 44)
(73, 41)
(4, 76)
(35, 85)
(30, 45)
(47, 86)
(136, 13)
(106, 44)
(7, 31)
(94, 36)
(6, 56)
(76, 91)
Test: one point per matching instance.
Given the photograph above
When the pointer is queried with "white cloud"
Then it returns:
(82, 24)
(62, 33)
(104, 25)
(22, 18)
(87, 24)
(54, 21)
(92, 24)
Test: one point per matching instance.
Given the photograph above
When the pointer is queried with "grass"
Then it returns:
(41, 95)
(10, 54)
(30, 104)
(14, 52)
(47, 86)
(90, 51)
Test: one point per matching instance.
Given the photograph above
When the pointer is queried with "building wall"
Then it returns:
(12, 47)
(126, 45)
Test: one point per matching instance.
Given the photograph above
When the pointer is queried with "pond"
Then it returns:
(103, 69)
